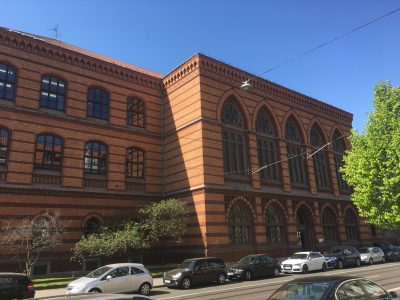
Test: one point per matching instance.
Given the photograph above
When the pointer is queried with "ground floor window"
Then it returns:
(240, 225)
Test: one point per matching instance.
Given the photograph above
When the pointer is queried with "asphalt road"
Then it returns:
(387, 275)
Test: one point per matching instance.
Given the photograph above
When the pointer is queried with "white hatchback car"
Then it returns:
(370, 255)
(302, 262)
(114, 278)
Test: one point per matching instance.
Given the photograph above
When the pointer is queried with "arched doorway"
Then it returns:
(305, 229)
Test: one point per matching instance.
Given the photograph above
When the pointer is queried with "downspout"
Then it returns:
(162, 92)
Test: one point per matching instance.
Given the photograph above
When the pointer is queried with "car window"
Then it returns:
(350, 290)
(201, 264)
(373, 290)
(136, 271)
(119, 272)
(269, 259)
(212, 263)
(302, 290)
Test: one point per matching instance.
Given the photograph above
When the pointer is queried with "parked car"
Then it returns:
(93, 296)
(252, 266)
(303, 262)
(370, 255)
(392, 253)
(15, 286)
(114, 278)
(343, 256)
(331, 287)
(196, 271)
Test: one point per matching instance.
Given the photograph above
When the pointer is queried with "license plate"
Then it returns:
(287, 268)
(167, 281)
(230, 274)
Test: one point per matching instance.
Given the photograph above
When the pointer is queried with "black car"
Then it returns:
(251, 266)
(15, 286)
(343, 256)
(392, 253)
(331, 287)
(196, 271)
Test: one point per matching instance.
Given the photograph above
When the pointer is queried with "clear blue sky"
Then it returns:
(253, 35)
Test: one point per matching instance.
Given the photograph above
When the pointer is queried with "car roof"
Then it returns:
(124, 265)
(304, 252)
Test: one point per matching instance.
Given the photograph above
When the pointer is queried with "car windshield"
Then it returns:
(365, 250)
(187, 264)
(98, 272)
(336, 250)
(248, 260)
(298, 256)
(302, 290)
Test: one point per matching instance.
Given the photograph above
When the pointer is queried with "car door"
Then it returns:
(319, 260)
(199, 273)
(269, 266)
(312, 261)
(135, 278)
(117, 281)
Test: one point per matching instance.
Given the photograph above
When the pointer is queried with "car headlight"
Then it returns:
(75, 287)
(177, 275)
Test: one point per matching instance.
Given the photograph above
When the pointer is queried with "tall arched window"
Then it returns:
(48, 152)
(136, 112)
(338, 152)
(350, 225)
(319, 158)
(4, 146)
(135, 163)
(91, 226)
(8, 78)
(266, 147)
(274, 225)
(233, 140)
(240, 225)
(97, 105)
(52, 94)
(329, 225)
(296, 153)
(95, 158)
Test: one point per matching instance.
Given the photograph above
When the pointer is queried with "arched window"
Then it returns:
(135, 162)
(274, 225)
(329, 225)
(52, 94)
(350, 225)
(240, 225)
(136, 112)
(4, 146)
(8, 78)
(233, 139)
(266, 147)
(338, 152)
(48, 152)
(319, 158)
(295, 153)
(95, 158)
(97, 106)
(91, 226)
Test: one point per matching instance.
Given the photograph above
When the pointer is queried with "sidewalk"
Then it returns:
(157, 282)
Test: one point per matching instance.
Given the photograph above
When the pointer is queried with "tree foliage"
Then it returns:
(32, 238)
(372, 166)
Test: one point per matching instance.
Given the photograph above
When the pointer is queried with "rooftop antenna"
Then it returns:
(56, 34)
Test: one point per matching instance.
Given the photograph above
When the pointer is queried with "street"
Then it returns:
(387, 275)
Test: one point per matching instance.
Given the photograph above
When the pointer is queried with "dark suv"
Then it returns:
(15, 286)
(252, 266)
(196, 271)
(343, 256)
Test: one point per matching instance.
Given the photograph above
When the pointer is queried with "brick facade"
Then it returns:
(182, 144)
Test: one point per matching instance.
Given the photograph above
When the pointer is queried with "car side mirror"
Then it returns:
(393, 294)
(197, 268)
(108, 277)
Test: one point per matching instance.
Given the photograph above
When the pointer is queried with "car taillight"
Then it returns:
(29, 286)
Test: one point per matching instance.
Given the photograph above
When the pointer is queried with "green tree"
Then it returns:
(372, 166)
(110, 242)
(165, 219)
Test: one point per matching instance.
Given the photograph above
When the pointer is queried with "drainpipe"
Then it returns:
(162, 93)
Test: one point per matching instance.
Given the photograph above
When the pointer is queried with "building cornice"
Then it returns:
(37, 46)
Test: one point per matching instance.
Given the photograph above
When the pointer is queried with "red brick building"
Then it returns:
(91, 138)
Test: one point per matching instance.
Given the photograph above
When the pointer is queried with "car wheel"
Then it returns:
(340, 264)
(358, 262)
(305, 269)
(383, 259)
(248, 275)
(186, 283)
(324, 267)
(371, 261)
(145, 289)
(95, 291)
(276, 272)
(221, 278)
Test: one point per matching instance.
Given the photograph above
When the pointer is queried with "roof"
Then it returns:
(82, 51)
(124, 265)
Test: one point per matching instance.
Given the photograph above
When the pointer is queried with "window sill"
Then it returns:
(52, 111)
